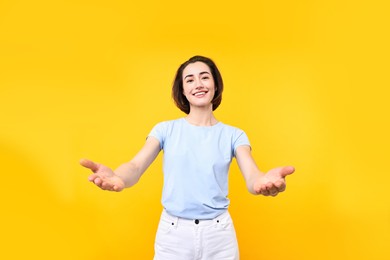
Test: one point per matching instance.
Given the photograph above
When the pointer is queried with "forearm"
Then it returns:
(129, 173)
(248, 167)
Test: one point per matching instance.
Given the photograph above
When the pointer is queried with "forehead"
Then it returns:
(196, 68)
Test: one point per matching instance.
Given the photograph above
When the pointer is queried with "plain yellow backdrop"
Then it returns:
(307, 80)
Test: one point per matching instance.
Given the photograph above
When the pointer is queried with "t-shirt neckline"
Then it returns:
(201, 126)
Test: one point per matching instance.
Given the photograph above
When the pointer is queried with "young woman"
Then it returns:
(198, 150)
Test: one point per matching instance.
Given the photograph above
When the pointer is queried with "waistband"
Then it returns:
(175, 221)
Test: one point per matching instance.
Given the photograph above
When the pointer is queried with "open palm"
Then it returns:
(273, 181)
(103, 176)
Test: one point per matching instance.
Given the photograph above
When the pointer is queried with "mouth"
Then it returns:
(200, 93)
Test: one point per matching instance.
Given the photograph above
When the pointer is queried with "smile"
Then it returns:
(200, 93)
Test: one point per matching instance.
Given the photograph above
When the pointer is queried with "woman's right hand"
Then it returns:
(103, 176)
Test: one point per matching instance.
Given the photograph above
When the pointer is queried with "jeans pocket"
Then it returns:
(225, 222)
(164, 227)
(225, 225)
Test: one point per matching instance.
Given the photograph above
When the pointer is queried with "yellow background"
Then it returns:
(307, 80)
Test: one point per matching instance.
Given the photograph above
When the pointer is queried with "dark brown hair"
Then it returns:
(177, 88)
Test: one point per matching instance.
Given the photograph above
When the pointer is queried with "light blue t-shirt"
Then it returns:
(196, 164)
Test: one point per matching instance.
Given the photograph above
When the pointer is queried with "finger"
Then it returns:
(280, 186)
(264, 191)
(107, 186)
(287, 170)
(89, 164)
(92, 177)
(269, 186)
(273, 191)
(257, 188)
(98, 182)
(117, 188)
(104, 186)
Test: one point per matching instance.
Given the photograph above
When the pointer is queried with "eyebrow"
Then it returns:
(191, 75)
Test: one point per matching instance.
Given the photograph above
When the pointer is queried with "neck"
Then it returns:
(201, 118)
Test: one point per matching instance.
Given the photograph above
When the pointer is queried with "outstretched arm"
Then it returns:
(270, 183)
(127, 174)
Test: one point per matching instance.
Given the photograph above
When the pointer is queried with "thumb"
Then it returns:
(89, 164)
(287, 170)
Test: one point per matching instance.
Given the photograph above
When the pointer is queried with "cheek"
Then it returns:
(185, 91)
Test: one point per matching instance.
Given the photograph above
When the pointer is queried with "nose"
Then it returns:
(199, 83)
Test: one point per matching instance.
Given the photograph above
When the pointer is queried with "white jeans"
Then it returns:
(186, 239)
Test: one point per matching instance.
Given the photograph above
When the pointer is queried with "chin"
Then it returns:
(203, 106)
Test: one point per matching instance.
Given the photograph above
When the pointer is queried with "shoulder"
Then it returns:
(231, 129)
(166, 126)
(168, 123)
(163, 130)
(237, 135)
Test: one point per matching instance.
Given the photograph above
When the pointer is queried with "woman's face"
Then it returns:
(198, 85)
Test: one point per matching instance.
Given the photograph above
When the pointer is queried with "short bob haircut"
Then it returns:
(177, 88)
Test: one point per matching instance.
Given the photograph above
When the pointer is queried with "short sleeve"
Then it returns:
(159, 132)
(240, 138)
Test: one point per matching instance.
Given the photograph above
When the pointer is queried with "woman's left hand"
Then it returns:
(273, 182)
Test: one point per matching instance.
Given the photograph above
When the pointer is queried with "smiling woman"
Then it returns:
(207, 75)
(198, 151)
(198, 85)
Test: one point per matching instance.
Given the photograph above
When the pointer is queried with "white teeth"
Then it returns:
(199, 93)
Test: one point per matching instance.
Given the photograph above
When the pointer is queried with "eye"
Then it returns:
(205, 77)
(189, 80)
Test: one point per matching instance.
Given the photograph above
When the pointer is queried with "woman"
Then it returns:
(198, 150)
